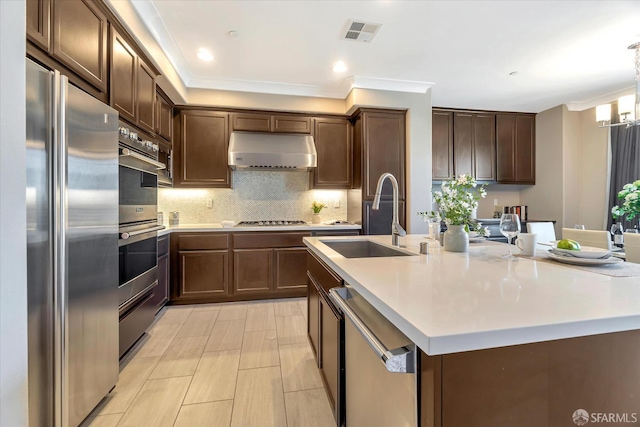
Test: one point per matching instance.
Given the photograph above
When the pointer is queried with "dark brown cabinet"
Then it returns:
(38, 22)
(265, 122)
(515, 148)
(80, 39)
(335, 149)
(313, 316)
(201, 150)
(442, 145)
(378, 147)
(133, 84)
(164, 116)
(289, 268)
(252, 270)
(161, 291)
(331, 338)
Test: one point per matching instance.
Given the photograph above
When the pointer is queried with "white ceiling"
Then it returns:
(565, 52)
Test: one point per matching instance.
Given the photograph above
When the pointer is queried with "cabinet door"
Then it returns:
(38, 18)
(203, 150)
(123, 77)
(463, 143)
(164, 117)
(291, 124)
(161, 291)
(203, 273)
(330, 349)
(146, 97)
(334, 147)
(251, 122)
(291, 270)
(484, 147)
(383, 145)
(80, 40)
(442, 145)
(379, 222)
(505, 147)
(252, 270)
(525, 149)
(313, 317)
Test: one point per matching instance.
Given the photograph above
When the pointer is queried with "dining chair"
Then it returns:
(632, 247)
(593, 238)
(545, 233)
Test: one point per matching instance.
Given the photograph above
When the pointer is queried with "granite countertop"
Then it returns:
(450, 302)
(219, 228)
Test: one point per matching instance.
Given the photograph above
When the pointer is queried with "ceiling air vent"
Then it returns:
(361, 31)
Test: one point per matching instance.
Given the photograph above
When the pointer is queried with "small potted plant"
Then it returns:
(317, 207)
(630, 195)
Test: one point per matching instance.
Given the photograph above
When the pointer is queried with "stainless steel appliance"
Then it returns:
(381, 357)
(72, 241)
(259, 151)
(269, 223)
(138, 243)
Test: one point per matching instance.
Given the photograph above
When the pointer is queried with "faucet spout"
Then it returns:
(396, 229)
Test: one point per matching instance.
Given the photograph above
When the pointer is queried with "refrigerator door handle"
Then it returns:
(61, 335)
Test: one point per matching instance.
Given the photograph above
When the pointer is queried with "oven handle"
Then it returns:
(127, 234)
(133, 154)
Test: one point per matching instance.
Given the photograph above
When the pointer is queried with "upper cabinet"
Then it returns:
(276, 123)
(201, 150)
(164, 116)
(334, 147)
(133, 84)
(489, 146)
(74, 33)
(515, 148)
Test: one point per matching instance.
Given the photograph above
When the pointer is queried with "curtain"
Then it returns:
(625, 167)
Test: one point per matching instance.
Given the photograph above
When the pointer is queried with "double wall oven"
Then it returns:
(138, 242)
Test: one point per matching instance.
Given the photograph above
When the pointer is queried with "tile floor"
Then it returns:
(236, 364)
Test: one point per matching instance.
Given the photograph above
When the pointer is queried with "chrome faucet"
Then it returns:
(396, 229)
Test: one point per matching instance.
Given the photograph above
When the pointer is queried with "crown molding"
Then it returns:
(604, 99)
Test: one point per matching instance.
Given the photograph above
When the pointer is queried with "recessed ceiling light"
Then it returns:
(233, 33)
(340, 67)
(514, 73)
(205, 55)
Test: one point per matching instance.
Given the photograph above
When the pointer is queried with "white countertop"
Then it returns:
(220, 228)
(450, 302)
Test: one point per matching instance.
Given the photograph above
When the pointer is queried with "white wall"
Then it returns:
(13, 278)
(571, 170)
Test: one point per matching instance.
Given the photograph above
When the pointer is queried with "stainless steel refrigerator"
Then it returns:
(72, 249)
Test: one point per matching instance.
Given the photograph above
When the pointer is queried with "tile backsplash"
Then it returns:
(255, 195)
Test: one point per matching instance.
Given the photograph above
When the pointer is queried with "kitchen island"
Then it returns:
(504, 343)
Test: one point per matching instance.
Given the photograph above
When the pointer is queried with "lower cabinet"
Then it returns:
(204, 273)
(290, 270)
(161, 291)
(325, 327)
(252, 270)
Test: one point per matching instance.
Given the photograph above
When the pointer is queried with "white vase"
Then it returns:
(456, 239)
(315, 218)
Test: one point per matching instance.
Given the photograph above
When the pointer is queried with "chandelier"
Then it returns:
(628, 106)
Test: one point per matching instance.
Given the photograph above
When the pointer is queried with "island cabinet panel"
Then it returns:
(38, 22)
(201, 150)
(203, 273)
(146, 97)
(334, 147)
(313, 316)
(252, 270)
(515, 148)
(80, 40)
(532, 385)
(442, 145)
(331, 347)
(290, 269)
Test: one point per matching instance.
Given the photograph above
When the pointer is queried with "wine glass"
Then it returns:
(509, 227)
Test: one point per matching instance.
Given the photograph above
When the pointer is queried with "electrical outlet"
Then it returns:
(336, 203)
(209, 202)
(495, 202)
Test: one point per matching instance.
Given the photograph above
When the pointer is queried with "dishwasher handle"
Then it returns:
(399, 360)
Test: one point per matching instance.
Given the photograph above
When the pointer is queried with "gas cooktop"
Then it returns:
(269, 223)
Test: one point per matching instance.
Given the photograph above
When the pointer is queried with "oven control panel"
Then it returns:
(136, 141)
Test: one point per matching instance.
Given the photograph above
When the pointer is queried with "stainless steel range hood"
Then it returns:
(260, 151)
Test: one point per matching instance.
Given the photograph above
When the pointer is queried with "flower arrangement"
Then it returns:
(480, 230)
(317, 207)
(456, 201)
(630, 208)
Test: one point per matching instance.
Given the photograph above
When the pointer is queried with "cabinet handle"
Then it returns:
(399, 360)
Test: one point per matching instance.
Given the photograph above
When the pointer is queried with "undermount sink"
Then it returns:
(363, 249)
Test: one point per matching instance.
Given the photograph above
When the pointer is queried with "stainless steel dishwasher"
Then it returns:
(381, 380)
